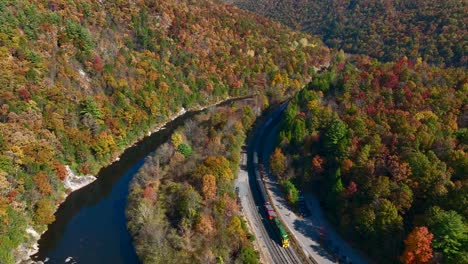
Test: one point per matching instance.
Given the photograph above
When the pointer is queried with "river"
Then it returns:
(90, 225)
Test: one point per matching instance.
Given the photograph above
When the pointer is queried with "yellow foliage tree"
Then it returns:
(44, 214)
(177, 139)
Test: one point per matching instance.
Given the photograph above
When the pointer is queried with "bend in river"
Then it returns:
(90, 225)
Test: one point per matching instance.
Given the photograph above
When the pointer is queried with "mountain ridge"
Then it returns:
(82, 80)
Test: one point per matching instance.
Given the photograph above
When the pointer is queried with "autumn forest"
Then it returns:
(376, 125)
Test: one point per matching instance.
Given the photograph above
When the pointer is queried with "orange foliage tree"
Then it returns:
(42, 183)
(60, 170)
(418, 246)
(317, 164)
(209, 186)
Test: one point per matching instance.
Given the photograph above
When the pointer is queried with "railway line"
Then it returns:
(306, 240)
(253, 198)
(277, 253)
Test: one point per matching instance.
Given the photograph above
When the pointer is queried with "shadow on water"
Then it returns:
(90, 225)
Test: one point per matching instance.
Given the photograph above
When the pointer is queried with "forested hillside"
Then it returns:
(434, 30)
(82, 80)
(182, 207)
(385, 147)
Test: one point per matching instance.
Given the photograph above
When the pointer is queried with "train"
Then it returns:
(270, 211)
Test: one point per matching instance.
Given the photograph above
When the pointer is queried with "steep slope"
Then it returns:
(388, 30)
(385, 148)
(82, 80)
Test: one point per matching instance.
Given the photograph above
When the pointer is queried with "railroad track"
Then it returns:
(267, 230)
(278, 253)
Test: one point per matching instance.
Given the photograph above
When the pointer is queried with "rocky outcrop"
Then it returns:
(74, 182)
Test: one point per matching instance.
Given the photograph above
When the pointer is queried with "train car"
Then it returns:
(261, 188)
(282, 233)
(270, 211)
(258, 178)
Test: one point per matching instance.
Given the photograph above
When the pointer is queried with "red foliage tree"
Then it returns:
(24, 94)
(60, 170)
(418, 246)
(149, 193)
(98, 64)
(12, 195)
(351, 189)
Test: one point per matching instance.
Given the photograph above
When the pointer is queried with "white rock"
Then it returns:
(25, 250)
(82, 73)
(74, 182)
(32, 232)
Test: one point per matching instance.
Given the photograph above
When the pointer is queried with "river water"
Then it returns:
(90, 225)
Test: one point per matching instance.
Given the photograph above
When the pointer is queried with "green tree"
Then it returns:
(91, 109)
(363, 156)
(378, 223)
(335, 139)
(292, 194)
(299, 131)
(337, 186)
(365, 219)
(429, 173)
(289, 120)
(387, 218)
(185, 149)
(80, 37)
(188, 205)
(248, 255)
(450, 234)
(380, 187)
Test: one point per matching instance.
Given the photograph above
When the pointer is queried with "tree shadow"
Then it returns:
(308, 229)
(275, 188)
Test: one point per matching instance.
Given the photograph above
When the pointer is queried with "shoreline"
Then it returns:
(75, 182)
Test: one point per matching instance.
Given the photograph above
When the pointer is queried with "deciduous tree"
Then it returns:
(209, 186)
(278, 162)
(43, 183)
(177, 139)
(450, 234)
(44, 213)
(418, 246)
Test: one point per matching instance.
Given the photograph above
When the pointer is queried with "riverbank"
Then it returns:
(73, 182)
(184, 192)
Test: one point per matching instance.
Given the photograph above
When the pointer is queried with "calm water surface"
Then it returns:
(90, 225)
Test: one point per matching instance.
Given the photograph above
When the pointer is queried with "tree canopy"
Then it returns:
(384, 143)
(433, 30)
(80, 81)
(188, 211)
